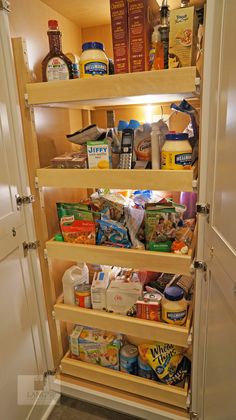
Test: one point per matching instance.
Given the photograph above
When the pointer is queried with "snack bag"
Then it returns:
(166, 360)
(112, 233)
(76, 225)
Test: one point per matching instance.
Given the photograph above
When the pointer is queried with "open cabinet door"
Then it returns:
(217, 236)
(22, 342)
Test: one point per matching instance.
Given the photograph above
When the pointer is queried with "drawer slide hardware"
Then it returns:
(50, 373)
(24, 199)
(29, 246)
(193, 415)
(5, 5)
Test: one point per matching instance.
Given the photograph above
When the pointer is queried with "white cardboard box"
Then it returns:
(122, 296)
(99, 288)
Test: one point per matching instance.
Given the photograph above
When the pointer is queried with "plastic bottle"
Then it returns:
(56, 65)
(74, 276)
(93, 60)
(159, 130)
(156, 54)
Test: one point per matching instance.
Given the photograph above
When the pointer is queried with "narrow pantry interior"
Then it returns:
(127, 332)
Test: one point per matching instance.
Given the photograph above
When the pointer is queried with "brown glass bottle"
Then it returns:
(56, 65)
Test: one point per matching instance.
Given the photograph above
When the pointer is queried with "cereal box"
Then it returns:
(182, 37)
(119, 24)
(99, 156)
(99, 287)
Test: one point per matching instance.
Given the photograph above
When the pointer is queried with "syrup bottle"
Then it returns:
(56, 65)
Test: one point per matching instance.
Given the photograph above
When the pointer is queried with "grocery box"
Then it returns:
(96, 346)
(119, 25)
(182, 37)
(99, 156)
(142, 17)
(99, 287)
(122, 296)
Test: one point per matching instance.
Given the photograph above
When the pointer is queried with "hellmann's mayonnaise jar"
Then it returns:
(174, 307)
(93, 60)
(176, 152)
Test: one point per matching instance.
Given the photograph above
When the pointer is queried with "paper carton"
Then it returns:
(122, 296)
(119, 25)
(142, 16)
(99, 287)
(182, 37)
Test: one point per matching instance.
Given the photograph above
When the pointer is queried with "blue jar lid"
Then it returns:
(173, 293)
(93, 46)
(122, 125)
(177, 136)
(133, 124)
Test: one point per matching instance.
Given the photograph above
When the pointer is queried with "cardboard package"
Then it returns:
(119, 25)
(122, 296)
(142, 17)
(99, 287)
(182, 37)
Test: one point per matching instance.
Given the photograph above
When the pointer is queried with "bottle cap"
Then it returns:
(53, 25)
(122, 125)
(58, 237)
(93, 46)
(177, 136)
(133, 124)
(173, 293)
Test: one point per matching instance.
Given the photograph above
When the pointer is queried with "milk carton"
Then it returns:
(99, 287)
(99, 156)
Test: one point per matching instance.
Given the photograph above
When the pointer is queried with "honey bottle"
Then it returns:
(56, 65)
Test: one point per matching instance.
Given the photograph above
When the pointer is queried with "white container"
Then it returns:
(93, 60)
(159, 130)
(99, 287)
(122, 296)
(176, 152)
(74, 276)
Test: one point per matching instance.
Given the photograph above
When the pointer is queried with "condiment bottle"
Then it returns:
(176, 152)
(56, 66)
(174, 306)
(156, 55)
(164, 30)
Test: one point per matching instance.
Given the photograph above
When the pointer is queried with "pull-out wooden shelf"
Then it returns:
(157, 331)
(181, 180)
(95, 254)
(133, 384)
(131, 88)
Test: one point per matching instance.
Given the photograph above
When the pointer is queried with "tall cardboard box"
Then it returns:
(142, 16)
(182, 37)
(119, 25)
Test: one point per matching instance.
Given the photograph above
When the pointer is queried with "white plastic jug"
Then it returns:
(74, 276)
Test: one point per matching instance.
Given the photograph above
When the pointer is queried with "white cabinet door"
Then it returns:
(216, 339)
(22, 344)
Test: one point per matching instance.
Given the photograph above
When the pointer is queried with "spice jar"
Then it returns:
(174, 306)
(176, 152)
(93, 60)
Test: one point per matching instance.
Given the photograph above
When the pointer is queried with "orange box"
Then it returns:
(119, 25)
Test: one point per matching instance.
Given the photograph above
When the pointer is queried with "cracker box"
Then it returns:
(99, 287)
(98, 154)
(142, 17)
(119, 25)
(182, 37)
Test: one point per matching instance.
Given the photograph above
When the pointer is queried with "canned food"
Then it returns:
(145, 371)
(83, 296)
(151, 297)
(129, 359)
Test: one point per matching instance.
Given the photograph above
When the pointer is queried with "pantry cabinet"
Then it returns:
(209, 332)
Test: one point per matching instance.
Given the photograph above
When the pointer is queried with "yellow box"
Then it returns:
(182, 38)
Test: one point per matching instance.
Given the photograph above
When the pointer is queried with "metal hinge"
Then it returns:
(24, 199)
(50, 373)
(203, 208)
(5, 5)
(193, 415)
(29, 246)
(199, 265)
